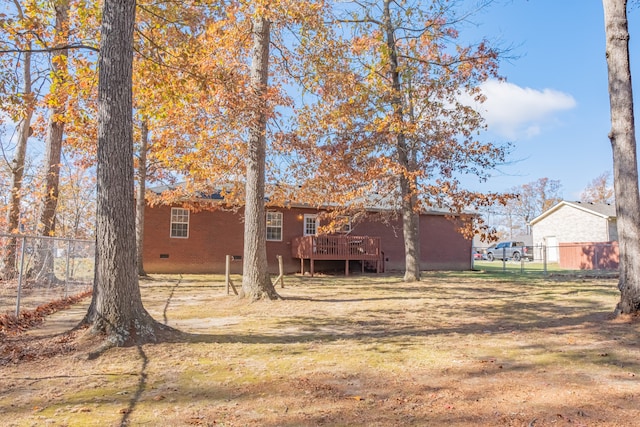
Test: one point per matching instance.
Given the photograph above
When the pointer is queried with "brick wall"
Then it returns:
(212, 235)
(215, 234)
(442, 246)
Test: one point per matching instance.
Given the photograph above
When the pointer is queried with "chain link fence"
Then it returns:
(36, 270)
(590, 258)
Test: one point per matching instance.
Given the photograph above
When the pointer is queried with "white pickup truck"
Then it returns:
(509, 250)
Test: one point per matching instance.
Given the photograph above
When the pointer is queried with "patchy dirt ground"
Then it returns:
(455, 349)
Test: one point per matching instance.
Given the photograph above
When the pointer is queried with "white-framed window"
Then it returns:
(274, 226)
(310, 225)
(179, 223)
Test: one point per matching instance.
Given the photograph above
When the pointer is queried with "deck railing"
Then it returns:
(340, 247)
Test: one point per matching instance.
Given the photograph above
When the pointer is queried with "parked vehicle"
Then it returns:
(509, 250)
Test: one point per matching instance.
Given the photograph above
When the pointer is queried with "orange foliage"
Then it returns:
(334, 143)
(348, 131)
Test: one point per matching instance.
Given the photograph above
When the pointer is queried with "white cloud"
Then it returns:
(515, 112)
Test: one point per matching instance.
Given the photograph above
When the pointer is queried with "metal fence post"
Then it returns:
(66, 272)
(504, 260)
(473, 258)
(20, 275)
(544, 259)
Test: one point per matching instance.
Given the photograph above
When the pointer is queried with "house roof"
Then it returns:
(603, 210)
(371, 202)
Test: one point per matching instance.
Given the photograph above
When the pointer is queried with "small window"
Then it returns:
(310, 225)
(179, 223)
(274, 226)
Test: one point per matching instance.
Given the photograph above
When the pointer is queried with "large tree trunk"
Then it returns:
(140, 199)
(116, 309)
(43, 263)
(410, 230)
(256, 283)
(9, 263)
(623, 143)
(410, 216)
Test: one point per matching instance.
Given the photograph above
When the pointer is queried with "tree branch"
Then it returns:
(444, 64)
(51, 49)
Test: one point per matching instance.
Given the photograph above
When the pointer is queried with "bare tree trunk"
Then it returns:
(43, 263)
(410, 216)
(116, 309)
(256, 282)
(140, 199)
(410, 230)
(623, 143)
(9, 263)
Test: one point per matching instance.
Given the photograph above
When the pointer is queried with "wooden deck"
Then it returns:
(341, 247)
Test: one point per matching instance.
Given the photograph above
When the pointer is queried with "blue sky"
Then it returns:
(555, 105)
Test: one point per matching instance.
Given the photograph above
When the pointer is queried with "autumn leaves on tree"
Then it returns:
(349, 103)
(380, 107)
(389, 115)
(35, 42)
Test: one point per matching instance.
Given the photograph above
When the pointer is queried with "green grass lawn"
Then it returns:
(533, 268)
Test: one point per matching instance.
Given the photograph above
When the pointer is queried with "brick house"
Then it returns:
(578, 235)
(180, 240)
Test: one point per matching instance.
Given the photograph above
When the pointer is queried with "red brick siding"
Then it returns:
(390, 233)
(215, 234)
(212, 235)
(442, 247)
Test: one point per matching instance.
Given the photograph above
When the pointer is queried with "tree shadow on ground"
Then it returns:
(391, 318)
(141, 387)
